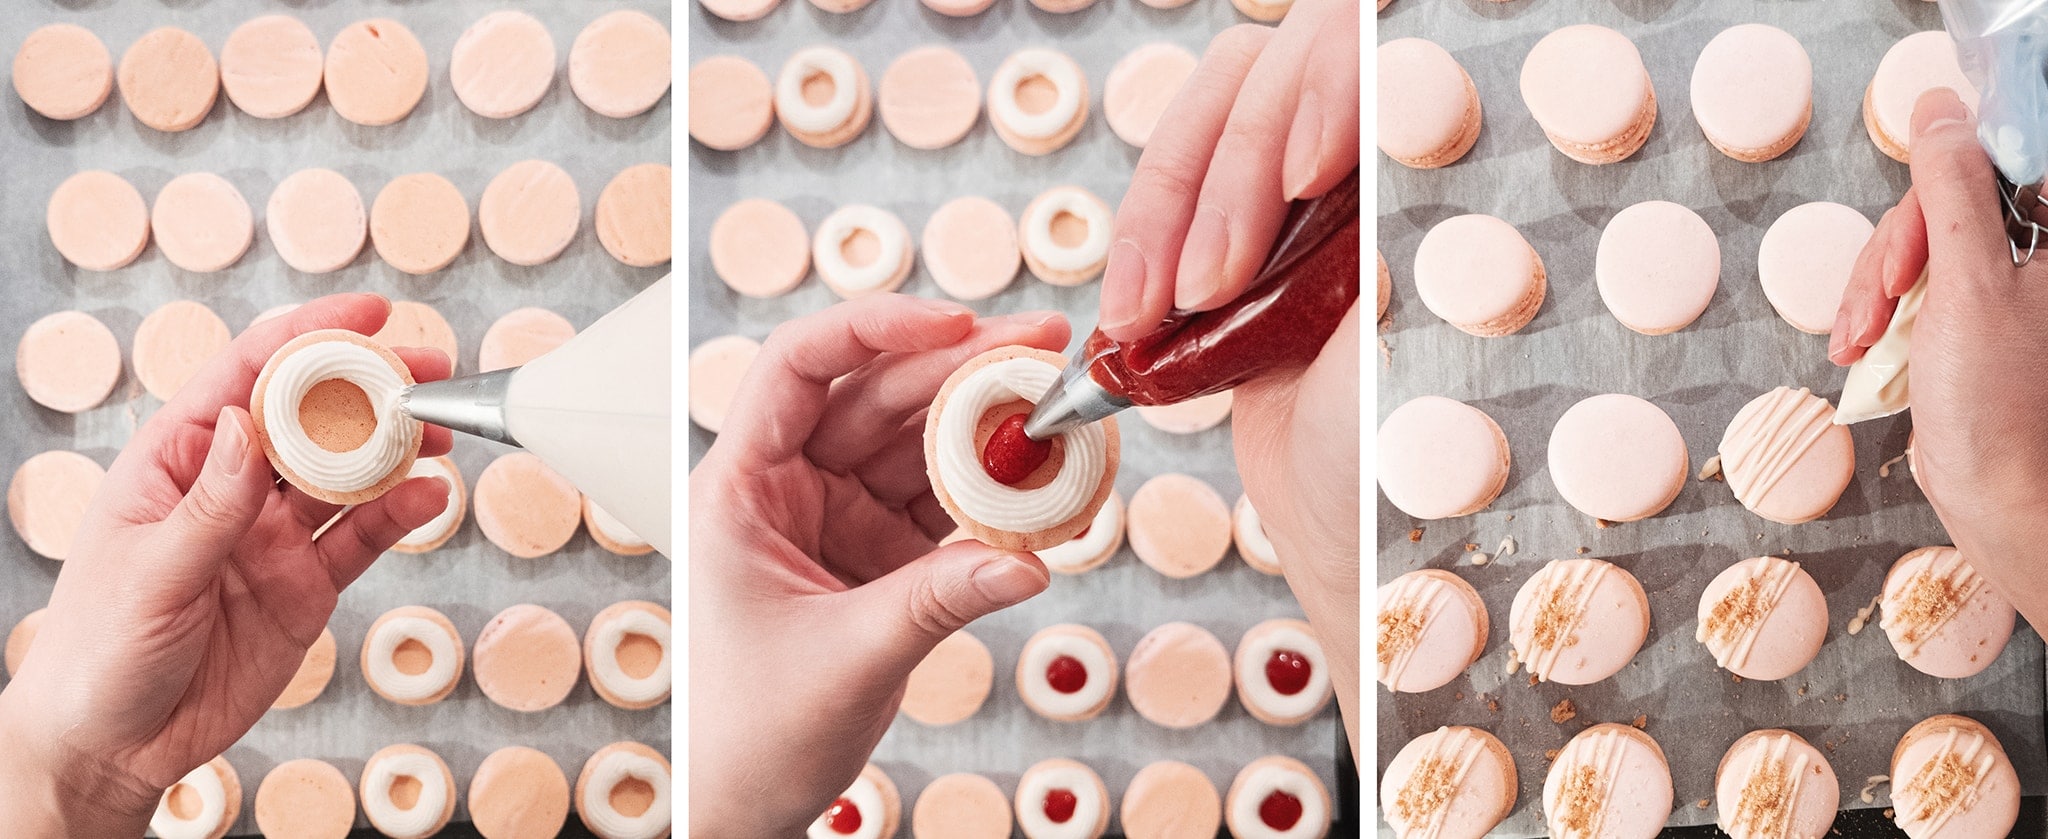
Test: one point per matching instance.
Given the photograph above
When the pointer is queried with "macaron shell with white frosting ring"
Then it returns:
(892, 804)
(1110, 519)
(1038, 145)
(437, 619)
(1241, 666)
(442, 467)
(231, 785)
(1036, 263)
(364, 792)
(1238, 787)
(850, 250)
(1248, 531)
(1085, 634)
(1025, 811)
(583, 780)
(413, 429)
(590, 636)
(856, 122)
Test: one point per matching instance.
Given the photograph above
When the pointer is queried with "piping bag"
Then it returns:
(595, 409)
(1293, 305)
(2002, 46)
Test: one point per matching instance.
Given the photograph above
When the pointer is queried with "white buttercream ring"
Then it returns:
(892, 242)
(1037, 224)
(612, 770)
(1252, 543)
(205, 784)
(1088, 802)
(991, 502)
(1042, 652)
(1092, 548)
(425, 814)
(797, 112)
(380, 662)
(1258, 690)
(607, 635)
(1264, 781)
(868, 799)
(340, 477)
(1057, 70)
(436, 532)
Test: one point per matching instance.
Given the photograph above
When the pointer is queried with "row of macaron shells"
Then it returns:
(1266, 11)
(1586, 85)
(420, 223)
(1949, 776)
(1175, 523)
(408, 792)
(1273, 797)
(374, 71)
(930, 98)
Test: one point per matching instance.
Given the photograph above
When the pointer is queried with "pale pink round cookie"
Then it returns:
(1578, 621)
(20, 637)
(1037, 100)
(518, 793)
(1784, 457)
(1058, 7)
(1429, 113)
(1764, 618)
(1067, 672)
(419, 223)
(822, 97)
(1178, 525)
(1170, 800)
(716, 368)
(929, 97)
(1951, 777)
(1611, 775)
(1191, 417)
(1657, 267)
(98, 221)
(184, 809)
(305, 799)
(1942, 617)
(376, 72)
(1249, 533)
(1277, 797)
(970, 248)
(173, 343)
(619, 64)
(739, 10)
(1432, 625)
(316, 221)
(731, 103)
(1773, 783)
(951, 683)
(1140, 87)
(962, 805)
(527, 658)
(412, 655)
(1440, 458)
(68, 361)
(1752, 92)
(861, 249)
(1062, 799)
(1805, 260)
(63, 72)
(202, 223)
(418, 325)
(1918, 63)
(1281, 674)
(520, 336)
(760, 248)
(169, 79)
(1178, 676)
(529, 213)
(525, 508)
(1456, 782)
(48, 497)
(1479, 275)
(316, 669)
(271, 66)
(633, 216)
(1617, 457)
(1586, 86)
(503, 64)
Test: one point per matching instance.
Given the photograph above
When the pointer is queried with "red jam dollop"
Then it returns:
(844, 817)
(1010, 455)
(1280, 811)
(1066, 674)
(1287, 671)
(1059, 805)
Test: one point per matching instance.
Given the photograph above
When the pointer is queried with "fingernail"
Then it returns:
(1201, 264)
(944, 307)
(1937, 109)
(1036, 318)
(1123, 285)
(1838, 338)
(230, 444)
(1009, 580)
(1304, 154)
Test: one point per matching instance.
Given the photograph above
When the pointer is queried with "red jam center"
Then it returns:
(1066, 674)
(1280, 811)
(1010, 456)
(1059, 805)
(844, 817)
(1287, 671)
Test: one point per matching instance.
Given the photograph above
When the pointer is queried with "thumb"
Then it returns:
(227, 496)
(1953, 182)
(918, 605)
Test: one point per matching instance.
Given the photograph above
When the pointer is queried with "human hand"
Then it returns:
(1979, 355)
(192, 594)
(815, 577)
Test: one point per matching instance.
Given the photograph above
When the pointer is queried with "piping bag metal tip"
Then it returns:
(1074, 400)
(473, 405)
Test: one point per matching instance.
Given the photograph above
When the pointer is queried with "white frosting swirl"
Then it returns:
(604, 656)
(1041, 654)
(613, 770)
(1056, 69)
(1244, 809)
(866, 798)
(425, 812)
(1088, 803)
(442, 525)
(1251, 672)
(1252, 541)
(204, 782)
(1077, 555)
(611, 528)
(797, 112)
(991, 502)
(1077, 202)
(383, 665)
(891, 238)
(350, 471)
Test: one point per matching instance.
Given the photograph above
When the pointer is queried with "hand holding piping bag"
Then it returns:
(1979, 351)
(190, 598)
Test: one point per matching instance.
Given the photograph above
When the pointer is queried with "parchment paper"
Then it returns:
(1855, 699)
(468, 579)
(1123, 599)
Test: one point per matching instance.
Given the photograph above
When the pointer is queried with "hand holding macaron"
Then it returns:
(191, 596)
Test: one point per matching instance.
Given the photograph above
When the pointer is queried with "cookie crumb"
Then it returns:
(1640, 721)
(1704, 803)
(1711, 469)
(1471, 546)
(1884, 470)
(1869, 793)
(1415, 535)
(1603, 524)
(1563, 712)
(1583, 550)
(1460, 696)
(1493, 705)
(1549, 755)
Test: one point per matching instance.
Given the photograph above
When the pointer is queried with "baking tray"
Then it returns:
(469, 579)
(1123, 599)
(1857, 698)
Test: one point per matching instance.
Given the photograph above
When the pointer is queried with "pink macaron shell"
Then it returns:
(1789, 634)
(1766, 437)
(1637, 783)
(1440, 458)
(1478, 273)
(1479, 797)
(1657, 267)
(1994, 808)
(1805, 260)
(1453, 632)
(1612, 627)
(1918, 63)
(1425, 101)
(1617, 457)
(1969, 640)
(1585, 84)
(1751, 89)
(1808, 809)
